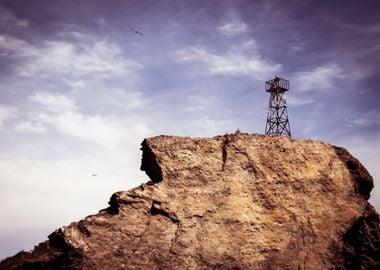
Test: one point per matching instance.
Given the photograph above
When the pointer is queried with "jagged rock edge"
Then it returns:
(363, 181)
(149, 163)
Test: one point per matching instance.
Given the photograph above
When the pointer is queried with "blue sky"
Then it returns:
(79, 91)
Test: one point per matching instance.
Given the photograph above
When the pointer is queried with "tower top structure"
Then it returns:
(277, 85)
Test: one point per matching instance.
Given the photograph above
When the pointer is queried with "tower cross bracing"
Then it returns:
(277, 117)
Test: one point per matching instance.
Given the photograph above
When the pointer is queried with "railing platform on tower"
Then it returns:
(277, 84)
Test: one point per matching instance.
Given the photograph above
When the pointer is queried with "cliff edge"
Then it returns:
(238, 201)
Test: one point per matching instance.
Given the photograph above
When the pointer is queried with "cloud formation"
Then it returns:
(53, 102)
(366, 119)
(321, 77)
(243, 60)
(76, 58)
(233, 28)
(294, 100)
(61, 113)
(9, 20)
(28, 126)
(7, 112)
(61, 57)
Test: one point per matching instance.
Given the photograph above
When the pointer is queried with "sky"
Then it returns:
(80, 89)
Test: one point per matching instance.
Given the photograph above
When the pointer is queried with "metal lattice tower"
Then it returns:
(277, 119)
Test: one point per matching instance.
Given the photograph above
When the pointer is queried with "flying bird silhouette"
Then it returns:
(136, 31)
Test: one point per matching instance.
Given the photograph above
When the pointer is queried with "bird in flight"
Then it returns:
(136, 31)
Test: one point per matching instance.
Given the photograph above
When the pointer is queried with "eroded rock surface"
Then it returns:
(237, 201)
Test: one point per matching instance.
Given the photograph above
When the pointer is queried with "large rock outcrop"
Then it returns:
(237, 201)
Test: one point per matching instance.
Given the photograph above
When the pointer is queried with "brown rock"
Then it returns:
(230, 202)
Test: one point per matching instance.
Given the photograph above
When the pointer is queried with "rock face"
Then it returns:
(237, 201)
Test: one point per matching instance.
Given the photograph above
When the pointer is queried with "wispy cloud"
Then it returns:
(299, 101)
(16, 48)
(296, 48)
(198, 102)
(9, 20)
(359, 29)
(95, 128)
(322, 77)
(208, 126)
(28, 126)
(238, 61)
(233, 28)
(62, 57)
(7, 112)
(61, 113)
(366, 119)
(77, 58)
(53, 102)
(127, 99)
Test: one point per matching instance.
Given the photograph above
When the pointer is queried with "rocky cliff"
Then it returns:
(237, 201)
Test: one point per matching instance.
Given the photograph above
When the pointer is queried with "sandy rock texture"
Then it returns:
(237, 201)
